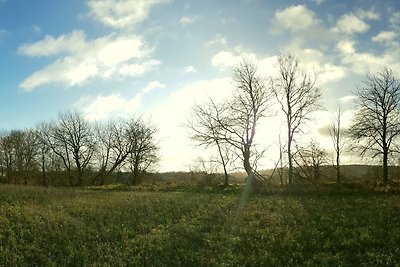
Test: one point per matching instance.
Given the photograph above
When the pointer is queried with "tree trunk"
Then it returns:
(337, 167)
(385, 167)
(290, 171)
(226, 178)
(248, 168)
(44, 182)
(135, 173)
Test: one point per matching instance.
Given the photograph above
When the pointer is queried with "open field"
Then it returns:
(104, 227)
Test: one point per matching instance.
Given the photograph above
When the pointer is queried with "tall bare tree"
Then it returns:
(249, 105)
(44, 151)
(337, 135)
(376, 124)
(298, 95)
(234, 122)
(205, 124)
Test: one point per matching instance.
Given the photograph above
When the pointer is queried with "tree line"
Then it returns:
(82, 152)
(87, 153)
(230, 126)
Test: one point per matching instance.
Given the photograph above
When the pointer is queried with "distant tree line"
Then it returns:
(230, 126)
(73, 151)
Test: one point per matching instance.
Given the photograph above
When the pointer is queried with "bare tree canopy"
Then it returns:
(249, 105)
(141, 136)
(376, 124)
(298, 95)
(233, 123)
(205, 124)
(72, 139)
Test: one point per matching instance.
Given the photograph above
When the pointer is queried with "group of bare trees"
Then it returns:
(230, 126)
(88, 153)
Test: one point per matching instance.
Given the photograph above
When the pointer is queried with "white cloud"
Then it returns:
(152, 86)
(347, 98)
(218, 40)
(395, 18)
(386, 37)
(177, 150)
(189, 69)
(362, 63)
(186, 20)
(295, 18)
(314, 61)
(79, 59)
(49, 46)
(122, 13)
(349, 24)
(104, 107)
(114, 105)
(346, 47)
(225, 60)
(368, 14)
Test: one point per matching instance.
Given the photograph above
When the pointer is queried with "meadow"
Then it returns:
(130, 226)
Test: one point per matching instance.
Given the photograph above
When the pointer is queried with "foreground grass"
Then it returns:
(71, 227)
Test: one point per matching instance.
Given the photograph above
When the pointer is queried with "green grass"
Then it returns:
(76, 227)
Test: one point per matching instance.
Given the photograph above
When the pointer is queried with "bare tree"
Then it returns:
(234, 123)
(249, 105)
(309, 161)
(298, 95)
(45, 155)
(142, 136)
(8, 156)
(113, 147)
(72, 139)
(58, 145)
(376, 124)
(27, 150)
(337, 135)
(205, 124)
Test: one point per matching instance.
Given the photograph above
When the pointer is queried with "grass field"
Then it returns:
(77, 227)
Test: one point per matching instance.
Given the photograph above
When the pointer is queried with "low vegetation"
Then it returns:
(130, 226)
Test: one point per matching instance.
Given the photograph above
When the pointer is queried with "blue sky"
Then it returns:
(110, 58)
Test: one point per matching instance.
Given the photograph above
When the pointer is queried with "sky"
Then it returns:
(156, 58)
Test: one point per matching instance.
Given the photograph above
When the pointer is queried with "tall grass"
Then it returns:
(76, 227)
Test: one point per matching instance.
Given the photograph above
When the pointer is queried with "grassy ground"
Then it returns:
(76, 227)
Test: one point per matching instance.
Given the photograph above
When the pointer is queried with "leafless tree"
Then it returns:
(18, 150)
(113, 147)
(309, 161)
(205, 124)
(26, 151)
(234, 122)
(72, 139)
(142, 136)
(337, 135)
(298, 95)
(376, 124)
(249, 105)
(7, 156)
(45, 155)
